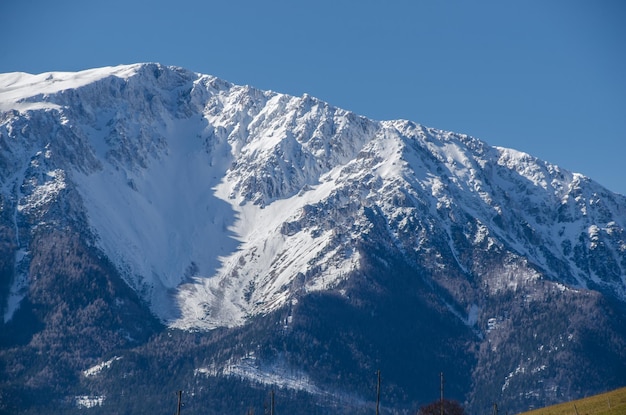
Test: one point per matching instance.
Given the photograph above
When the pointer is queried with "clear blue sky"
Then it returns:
(543, 76)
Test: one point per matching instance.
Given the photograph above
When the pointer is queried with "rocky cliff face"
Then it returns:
(296, 245)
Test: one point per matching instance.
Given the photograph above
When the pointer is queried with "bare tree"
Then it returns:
(450, 407)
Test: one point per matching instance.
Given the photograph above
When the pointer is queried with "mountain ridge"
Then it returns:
(221, 205)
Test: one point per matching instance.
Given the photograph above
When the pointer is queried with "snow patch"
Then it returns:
(95, 370)
(275, 375)
(87, 401)
(19, 286)
(472, 315)
(43, 194)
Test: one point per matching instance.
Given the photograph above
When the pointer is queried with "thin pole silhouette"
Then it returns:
(378, 392)
(441, 381)
(179, 393)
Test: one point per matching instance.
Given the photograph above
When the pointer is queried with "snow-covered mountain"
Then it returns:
(219, 204)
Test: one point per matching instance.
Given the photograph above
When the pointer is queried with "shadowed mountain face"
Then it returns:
(164, 230)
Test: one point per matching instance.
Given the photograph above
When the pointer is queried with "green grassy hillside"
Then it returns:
(610, 403)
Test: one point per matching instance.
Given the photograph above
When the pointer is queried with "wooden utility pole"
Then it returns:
(272, 402)
(378, 392)
(180, 394)
(441, 391)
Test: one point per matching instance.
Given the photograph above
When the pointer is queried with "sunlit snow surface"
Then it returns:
(22, 91)
(95, 370)
(213, 199)
(87, 401)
